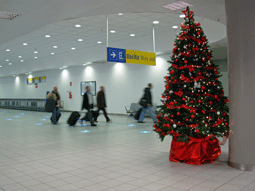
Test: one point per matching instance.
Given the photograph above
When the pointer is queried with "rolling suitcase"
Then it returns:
(57, 118)
(74, 117)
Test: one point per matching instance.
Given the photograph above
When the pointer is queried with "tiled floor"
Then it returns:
(36, 155)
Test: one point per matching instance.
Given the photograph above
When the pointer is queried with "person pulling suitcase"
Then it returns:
(88, 105)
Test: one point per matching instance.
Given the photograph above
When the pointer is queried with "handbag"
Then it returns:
(143, 102)
(50, 105)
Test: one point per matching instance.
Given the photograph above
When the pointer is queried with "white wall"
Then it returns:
(124, 83)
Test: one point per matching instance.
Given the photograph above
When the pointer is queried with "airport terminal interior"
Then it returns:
(64, 43)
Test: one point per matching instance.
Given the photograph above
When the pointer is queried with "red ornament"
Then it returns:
(218, 99)
(172, 77)
(172, 71)
(191, 101)
(205, 48)
(211, 102)
(163, 96)
(216, 72)
(224, 113)
(209, 117)
(187, 119)
(192, 116)
(185, 61)
(184, 32)
(168, 97)
(203, 87)
(222, 90)
(178, 113)
(199, 73)
(216, 79)
(176, 60)
(172, 116)
(197, 130)
(216, 96)
(191, 77)
(183, 99)
(189, 44)
(203, 111)
(203, 59)
(226, 124)
(199, 101)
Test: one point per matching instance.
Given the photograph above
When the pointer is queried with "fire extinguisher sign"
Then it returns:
(71, 83)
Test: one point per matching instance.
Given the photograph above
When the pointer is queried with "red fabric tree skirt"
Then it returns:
(197, 151)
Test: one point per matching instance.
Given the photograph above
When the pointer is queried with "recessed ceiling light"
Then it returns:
(7, 60)
(174, 27)
(36, 57)
(73, 48)
(182, 16)
(132, 34)
(77, 26)
(8, 50)
(24, 44)
(20, 56)
(0, 66)
(55, 47)
(10, 63)
(155, 22)
(120, 13)
(80, 39)
(35, 52)
(99, 42)
(112, 31)
(47, 36)
(52, 53)
(21, 60)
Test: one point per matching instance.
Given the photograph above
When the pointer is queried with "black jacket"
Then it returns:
(85, 104)
(101, 100)
(147, 95)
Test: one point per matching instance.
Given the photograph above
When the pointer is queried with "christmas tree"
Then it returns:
(194, 104)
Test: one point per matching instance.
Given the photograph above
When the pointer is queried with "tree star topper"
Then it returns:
(188, 13)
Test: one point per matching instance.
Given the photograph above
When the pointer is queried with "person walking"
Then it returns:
(88, 105)
(101, 104)
(146, 103)
(56, 112)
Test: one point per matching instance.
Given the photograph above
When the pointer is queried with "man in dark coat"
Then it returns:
(88, 104)
(148, 104)
(101, 104)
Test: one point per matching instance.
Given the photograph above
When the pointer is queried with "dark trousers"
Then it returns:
(55, 114)
(89, 115)
(105, 114)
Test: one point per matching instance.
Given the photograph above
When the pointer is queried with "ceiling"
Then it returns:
(58, 18)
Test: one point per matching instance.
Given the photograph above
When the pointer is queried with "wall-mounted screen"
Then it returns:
(92, 85)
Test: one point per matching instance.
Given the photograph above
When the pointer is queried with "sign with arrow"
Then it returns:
(131, 56)
(116, 55)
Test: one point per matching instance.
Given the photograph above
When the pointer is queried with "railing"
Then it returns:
(23, 104)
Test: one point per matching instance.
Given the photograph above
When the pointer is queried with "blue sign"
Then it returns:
(116, 55)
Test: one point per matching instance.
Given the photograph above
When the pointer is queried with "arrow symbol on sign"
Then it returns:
(113, 54)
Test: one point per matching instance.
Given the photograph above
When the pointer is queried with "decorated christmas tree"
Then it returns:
(194, 105)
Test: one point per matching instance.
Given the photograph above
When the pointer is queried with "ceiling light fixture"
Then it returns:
(35, 57)
(132, 34)
(21, 60)
(35, 51)
(55, 47)
(52, 53)
(0, 66)
(80, 40)
(77, 26)
(182, 16)
(24, 44)
(8, 50)
(174, 27)
(20, 56)
(120, 13)
(10, 63)
(176, 6)
(7, 60)
(155, 22)
(99, 42)
(47, 36)
(73, 48)
(112, 31)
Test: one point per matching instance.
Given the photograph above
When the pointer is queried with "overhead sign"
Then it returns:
(130, 56)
